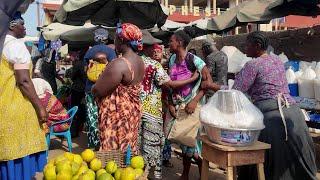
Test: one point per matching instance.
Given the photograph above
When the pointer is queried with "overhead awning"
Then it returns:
(258, 11)
(55, 30)
(143, 13)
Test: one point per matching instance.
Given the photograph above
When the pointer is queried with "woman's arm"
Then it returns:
(192, 105)
(26, 87)
(110, 78)
(181, 83)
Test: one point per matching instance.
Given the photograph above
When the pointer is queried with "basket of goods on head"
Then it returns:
(90, 165)
(229, 118)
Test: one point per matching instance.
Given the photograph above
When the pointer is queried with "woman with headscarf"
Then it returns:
(22, 141)
(292, 153)
(152, 127)
(118, 89)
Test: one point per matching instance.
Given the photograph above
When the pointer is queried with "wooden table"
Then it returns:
(230, 157)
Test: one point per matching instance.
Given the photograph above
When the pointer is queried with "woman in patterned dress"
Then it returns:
(117, 91)
(152, 128)
(292, 153)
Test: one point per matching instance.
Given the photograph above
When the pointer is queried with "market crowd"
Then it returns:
(129, 94)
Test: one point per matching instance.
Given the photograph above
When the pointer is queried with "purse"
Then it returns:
(94, 71)
(185, 128)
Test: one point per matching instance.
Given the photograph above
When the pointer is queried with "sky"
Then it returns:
(30, 18)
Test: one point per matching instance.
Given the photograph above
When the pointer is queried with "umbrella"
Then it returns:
(85, 36)
(255, 11)
(54, 30)
(7, 9)
(143, 13)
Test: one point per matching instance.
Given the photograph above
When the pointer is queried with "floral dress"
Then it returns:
(151, 130)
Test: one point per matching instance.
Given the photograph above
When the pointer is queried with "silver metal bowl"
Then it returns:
(231, 137)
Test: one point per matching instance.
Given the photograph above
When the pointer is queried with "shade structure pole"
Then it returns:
(214, 6)
(209, 4)
(237, 28)
(191, 5)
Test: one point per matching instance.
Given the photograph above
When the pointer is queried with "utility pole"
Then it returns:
(38, 13)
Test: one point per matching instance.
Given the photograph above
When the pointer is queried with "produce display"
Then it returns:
(87, 167)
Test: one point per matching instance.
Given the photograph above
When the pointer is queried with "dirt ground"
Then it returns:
(79, 144)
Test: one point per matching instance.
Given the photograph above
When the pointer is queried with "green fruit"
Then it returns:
(63, 166)
(64, 175)
(59, 159)
(86, 176)
(76, 177)
(95, 164)
(50, 173)
(105, 176)
(87, 155)
(75, 168)
(99, 172)
(117, 174)
(138, 172)
(82, 170)
(128, 174)
(91, 173)
(77, 158)
(137, 162)
(111, 167)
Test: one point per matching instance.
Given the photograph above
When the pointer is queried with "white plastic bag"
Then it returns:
(231, 109)
(236, 59)
(291, 77)
(316, 86)
(283, 57)
(317, 69)
(298, 74)
(305, 82)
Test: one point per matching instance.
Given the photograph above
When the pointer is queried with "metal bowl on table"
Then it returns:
(231, 137)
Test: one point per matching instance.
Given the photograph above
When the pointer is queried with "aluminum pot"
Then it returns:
(231, 137)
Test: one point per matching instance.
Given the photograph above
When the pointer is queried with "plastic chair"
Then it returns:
(66, 134)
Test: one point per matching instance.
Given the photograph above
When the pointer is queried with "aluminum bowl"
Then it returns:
(231, 137)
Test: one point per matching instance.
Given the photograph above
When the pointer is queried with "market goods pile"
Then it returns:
(87, 167)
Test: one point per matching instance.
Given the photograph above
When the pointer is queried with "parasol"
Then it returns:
(143, 13)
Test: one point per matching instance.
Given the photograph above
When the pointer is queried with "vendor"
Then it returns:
(292, 153)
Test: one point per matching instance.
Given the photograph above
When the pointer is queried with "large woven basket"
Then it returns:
(107, 156)
(119, 158)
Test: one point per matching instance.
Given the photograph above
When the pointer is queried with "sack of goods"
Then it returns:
(305, 82)
(229, 118)
(94, 71)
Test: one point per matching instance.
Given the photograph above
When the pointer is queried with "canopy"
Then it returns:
(143, 13)
(85, 36)
(258, 11)
(54, 30)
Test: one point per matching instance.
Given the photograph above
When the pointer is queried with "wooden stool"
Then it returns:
(230, 157)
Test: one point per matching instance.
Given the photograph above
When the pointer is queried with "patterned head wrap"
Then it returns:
(132, 34)
(16, 19)
(157, 47)
(101, 35)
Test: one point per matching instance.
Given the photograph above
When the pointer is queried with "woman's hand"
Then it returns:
(191, 107)
(206, 85)
(172, 111)
(195, 76)
(42, 114)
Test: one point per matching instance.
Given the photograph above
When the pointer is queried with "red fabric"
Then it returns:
(130, 32)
